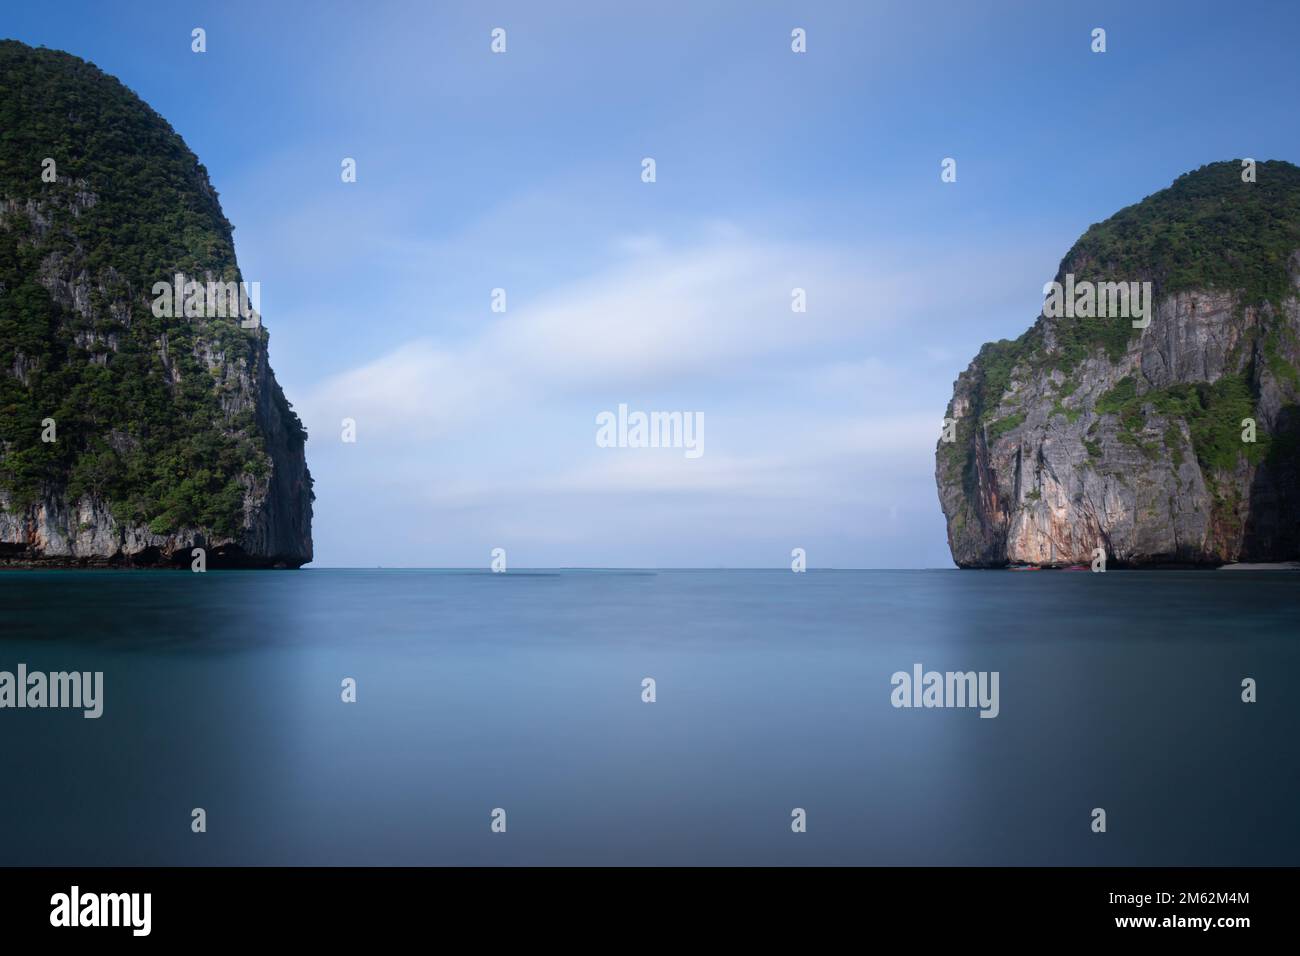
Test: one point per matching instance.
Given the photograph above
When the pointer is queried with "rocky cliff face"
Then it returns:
(1088, 433)
(127, 437)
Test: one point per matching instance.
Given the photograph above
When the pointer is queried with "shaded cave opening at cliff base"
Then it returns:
(1273, 525)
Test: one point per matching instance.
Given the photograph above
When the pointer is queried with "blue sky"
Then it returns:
(521, 171)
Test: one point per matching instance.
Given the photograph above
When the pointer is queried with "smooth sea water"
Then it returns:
(523, 691)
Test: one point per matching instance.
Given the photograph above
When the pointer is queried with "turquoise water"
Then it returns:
(523, 691)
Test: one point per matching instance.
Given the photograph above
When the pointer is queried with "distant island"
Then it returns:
(1163, 432)
(133, 428)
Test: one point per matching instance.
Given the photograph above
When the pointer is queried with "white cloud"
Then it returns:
(652, 322)
(817, 424)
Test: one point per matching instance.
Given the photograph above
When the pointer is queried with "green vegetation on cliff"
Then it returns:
(1213, 413)
(140, 419)
(1208, 230)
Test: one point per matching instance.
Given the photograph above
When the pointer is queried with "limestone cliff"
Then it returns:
(1089, 433)
(127, 437)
